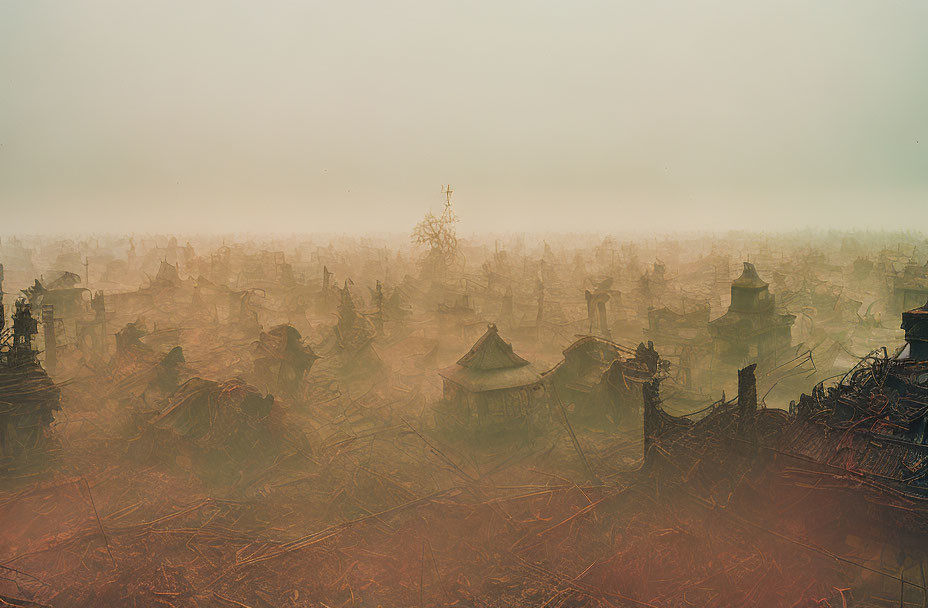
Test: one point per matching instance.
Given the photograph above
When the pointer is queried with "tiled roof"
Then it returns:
(491, 352)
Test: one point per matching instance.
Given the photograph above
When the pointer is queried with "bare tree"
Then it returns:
(438, 231)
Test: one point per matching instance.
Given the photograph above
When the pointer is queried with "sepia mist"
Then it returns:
(345, 117)
(432, 304)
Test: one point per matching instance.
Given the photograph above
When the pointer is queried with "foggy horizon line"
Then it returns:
(396, 234)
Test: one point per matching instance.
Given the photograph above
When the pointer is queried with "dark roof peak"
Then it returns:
(749, 278)
(491, 352)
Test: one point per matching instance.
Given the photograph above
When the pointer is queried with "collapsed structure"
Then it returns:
(353, 338)
(862, 442)
(28, 397)
(371, 467)
(223, 424)
(601, 381)
(714, 446)
(683, 338)
(282, 359)
(874, 422)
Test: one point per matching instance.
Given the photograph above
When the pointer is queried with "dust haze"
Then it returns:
(344, 117)
(530, 304)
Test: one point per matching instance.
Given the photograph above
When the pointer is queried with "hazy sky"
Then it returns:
(544, 115)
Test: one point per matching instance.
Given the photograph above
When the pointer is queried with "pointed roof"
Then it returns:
(491, 365)
(491, 352)
(167, 273)
(749, 278)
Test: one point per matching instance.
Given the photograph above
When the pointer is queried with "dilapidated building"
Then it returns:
(491, 387)
(28, 397)
(220, 428)
(282, 359)
(67, 299)
(683, 338)
(875, 420)
(910, 288)
(600, 381)
(752, 330)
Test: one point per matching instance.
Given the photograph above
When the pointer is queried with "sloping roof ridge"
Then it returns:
(749, 278)
(491, 352)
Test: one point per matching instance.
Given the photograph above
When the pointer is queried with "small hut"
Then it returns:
(491, 387)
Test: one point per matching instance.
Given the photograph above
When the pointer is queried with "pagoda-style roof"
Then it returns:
(491, 352)
(752, 310)
(491, 365)
(750, 294)
(749, 278)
